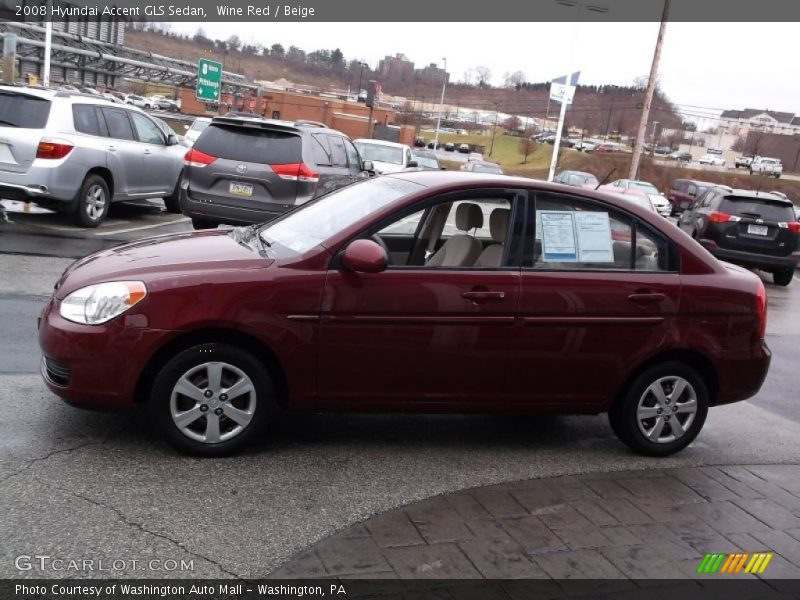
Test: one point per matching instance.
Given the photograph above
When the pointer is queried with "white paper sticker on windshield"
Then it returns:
(575, 236)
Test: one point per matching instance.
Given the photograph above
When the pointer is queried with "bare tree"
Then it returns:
(512, 123)
(484, 74)
(514, 79)
(469, 76)
(526, 144)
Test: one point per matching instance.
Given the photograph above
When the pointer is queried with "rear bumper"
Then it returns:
(229, 215)
(742, 373)
(57, 182)
(765, 262)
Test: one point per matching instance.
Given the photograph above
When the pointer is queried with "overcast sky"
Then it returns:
(703, 65)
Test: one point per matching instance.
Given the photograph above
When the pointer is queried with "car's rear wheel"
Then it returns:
(93, 201)
(663, 410)
(172, 202)
(211, 399)
(783, 277)
(198, 223)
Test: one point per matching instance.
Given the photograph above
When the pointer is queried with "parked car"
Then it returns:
(386, 157)
(318, 309)
(662, 205)
(576, 178)
(606, 147)
(450, 147)
(76, 154)
(426, 160)
(684, 192)
(89, 90)
(112, 98)
(245, 169)
(164, 103)
(419, 142)
(139, 101)
(194, 130)
(638, 197)
(585, 146)
(752, 229)
(712, 159)
(481, 166)
(662, 150)
(474, 156)
(464, 148)
(743, 161)
(680, 156)
(767, 166)
(433, 145)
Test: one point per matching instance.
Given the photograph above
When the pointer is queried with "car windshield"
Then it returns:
(199, 126)
(581, 179)
(306, 227)
(647, 188)
(493, 169)
(387, 154)
(424, 161)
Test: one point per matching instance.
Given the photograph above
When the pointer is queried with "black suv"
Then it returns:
(752, 229)
(245, 169)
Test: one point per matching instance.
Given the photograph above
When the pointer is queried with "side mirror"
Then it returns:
(412, 164)
(445, 168)
(368, 166)
(186, 127)
(172, 140)
(364, 256)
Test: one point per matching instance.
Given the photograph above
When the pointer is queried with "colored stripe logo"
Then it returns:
(741, 562)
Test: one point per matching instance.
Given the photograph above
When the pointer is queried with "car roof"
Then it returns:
(234, 118)
(756, 195)
(577, 173)
(380, 143)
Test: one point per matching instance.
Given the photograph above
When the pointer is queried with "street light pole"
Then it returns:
(358, 92)
(494, 130)
(441, 107)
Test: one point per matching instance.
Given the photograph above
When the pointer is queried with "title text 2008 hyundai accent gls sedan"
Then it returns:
(424, 291)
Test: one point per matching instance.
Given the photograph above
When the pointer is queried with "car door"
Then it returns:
(598, 294)
(417, 335)
(159, 160)
(124, 155)
(331, 176)
(341, 172)
(357, 172)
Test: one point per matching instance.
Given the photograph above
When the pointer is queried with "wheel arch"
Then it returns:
(258, 349)
(692, 358)
(105, 173)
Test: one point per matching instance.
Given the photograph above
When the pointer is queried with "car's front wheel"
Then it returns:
(662, 411)
(211, 399)
(783, 277)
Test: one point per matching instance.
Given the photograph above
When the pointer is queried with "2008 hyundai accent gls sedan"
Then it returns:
(422, 291)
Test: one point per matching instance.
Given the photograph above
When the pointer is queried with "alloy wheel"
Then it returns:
(666, 409)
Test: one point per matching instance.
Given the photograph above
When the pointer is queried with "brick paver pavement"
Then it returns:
(639, 525)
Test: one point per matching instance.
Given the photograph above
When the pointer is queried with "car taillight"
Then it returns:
(721, 217)
(793, 226)
(53, 149)
(761, 308)
(195, 158)
(295, 172)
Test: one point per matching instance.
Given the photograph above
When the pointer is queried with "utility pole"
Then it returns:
(608, 122)
(494, 131)
(648, 95)
(441, 108)
(48, 44)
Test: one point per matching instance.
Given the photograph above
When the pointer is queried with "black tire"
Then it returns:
(259, 403)
(624, 420)
(783, 277)
(198, 223)
(94, 190)
(172, 202)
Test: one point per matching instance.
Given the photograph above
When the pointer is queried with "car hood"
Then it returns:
(387, 167)
(161, 257)
(658, 199)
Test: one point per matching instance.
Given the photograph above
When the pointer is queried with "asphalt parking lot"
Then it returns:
(77, 484)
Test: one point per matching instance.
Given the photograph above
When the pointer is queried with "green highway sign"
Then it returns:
(209, 78)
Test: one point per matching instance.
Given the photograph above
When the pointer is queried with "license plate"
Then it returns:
(241, 189)
(757, 229)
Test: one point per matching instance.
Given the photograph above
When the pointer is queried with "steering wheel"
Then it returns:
(379, 240)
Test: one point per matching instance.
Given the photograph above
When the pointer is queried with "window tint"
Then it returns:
(321, 150)
(85, 118)
(119, 127)
(146, 130)
(757, 208)
(338, 154)
(352, 155)
(577, 234)
(21, 110)
(250, 145)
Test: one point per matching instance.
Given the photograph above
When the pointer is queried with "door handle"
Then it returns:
(147, 152)
(112, 149)
(476, 295)
(647, 297)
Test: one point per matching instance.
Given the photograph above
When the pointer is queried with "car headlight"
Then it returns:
(96, 304)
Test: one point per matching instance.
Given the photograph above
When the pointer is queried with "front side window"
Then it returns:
(352, 155)
(147, 131)
(578, 234)
(338, 153)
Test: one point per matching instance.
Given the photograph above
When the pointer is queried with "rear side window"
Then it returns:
(338, 154)
(760, 209)
(119, 126)
(20, 110)
(251, 145)
(84, 116)
(320, 150)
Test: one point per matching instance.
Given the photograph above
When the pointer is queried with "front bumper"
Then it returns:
(96, 366)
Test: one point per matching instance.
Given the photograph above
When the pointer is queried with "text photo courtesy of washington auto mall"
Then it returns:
(399, 300)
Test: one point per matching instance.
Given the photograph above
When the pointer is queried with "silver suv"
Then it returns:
(77, 153)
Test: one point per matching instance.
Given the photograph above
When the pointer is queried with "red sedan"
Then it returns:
(422, 291)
